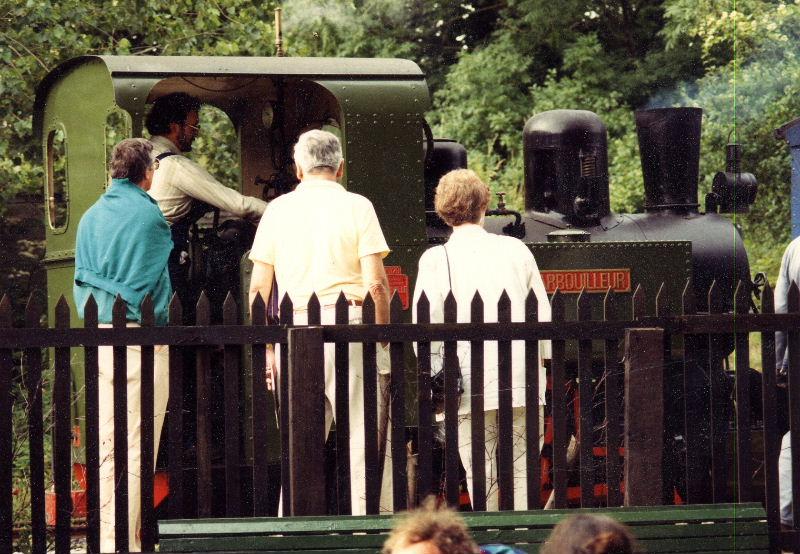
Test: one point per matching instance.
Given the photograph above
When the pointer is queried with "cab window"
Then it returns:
(57, 188)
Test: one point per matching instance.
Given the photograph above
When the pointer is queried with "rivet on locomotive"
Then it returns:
(581, 245)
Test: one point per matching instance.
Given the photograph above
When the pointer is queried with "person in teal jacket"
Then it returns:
(123, 243)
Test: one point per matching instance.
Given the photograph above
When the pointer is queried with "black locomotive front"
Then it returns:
(567, 203)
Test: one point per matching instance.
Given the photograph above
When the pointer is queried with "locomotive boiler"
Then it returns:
(567, 200)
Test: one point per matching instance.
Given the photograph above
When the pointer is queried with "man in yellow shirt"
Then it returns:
(323, 239)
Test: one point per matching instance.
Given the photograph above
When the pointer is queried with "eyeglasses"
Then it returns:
(194, 127)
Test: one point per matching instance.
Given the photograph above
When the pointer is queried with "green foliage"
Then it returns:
(432, 33)
(35, 36)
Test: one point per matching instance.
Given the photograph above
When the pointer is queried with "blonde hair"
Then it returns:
(440, 525)
(461, 197)
(590, 534)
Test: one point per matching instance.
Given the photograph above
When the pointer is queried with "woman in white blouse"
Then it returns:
(475, 260)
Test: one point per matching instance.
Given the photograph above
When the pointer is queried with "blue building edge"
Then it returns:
(790, 132)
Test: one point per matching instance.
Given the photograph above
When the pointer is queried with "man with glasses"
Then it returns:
(183, 189)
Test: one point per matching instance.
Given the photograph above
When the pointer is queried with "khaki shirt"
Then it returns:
(315, 238)
(179, 180)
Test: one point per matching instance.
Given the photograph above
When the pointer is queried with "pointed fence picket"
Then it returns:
(695, 350)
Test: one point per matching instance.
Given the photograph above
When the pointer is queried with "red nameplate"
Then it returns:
(398, 281)
(591, 280)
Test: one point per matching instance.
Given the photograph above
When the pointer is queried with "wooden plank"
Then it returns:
(33, 388)
(793, 344)
(371, 452)
(638, 303)
(613, 410)
(532, 467)
(287, 319)
(585, 397)
(505, 417)
(342, 372)
(306, 377)
(673, 389)
(397, 388)
(715, 324)
(231, 356)
(92, 403)
(674, 538)
(62, 436)
(175, 418)
(744, 472)
(720, 403)
(314, 310)
(261, 416)
(451, 462)
(425, 410)
(147, 444)
(478, 421)
(6, 442)
(697, 398)
(644, 416)
(772, 438)
(707, 517)
(203, 412)
(121, 530)
(559, 408)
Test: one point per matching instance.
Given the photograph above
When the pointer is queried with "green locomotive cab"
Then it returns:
(376, 106)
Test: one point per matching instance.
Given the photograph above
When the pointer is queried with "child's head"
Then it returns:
(590, 534)
(430, 529)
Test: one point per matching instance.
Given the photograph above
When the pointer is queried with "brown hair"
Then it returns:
(461, 197)
(590, 534)
(130, 159)
(171, 108)
(440, 525)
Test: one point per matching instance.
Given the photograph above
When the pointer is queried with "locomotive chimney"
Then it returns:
(566, 165)
(669, 145)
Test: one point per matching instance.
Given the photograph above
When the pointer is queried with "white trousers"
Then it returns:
(490, 456)
(358, 471)
(106, 389)
(785, 480)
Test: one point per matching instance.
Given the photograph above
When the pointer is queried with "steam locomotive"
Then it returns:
(566, 193)
(377, 107)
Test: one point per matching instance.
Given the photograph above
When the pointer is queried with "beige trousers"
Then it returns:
(358, 471)
(490, 457)
(106, 389)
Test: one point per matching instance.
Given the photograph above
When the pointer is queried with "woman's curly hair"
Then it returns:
(590, 534)
(440, 525)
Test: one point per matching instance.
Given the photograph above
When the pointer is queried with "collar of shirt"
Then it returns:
(313, 183)
(467, 230)
(163, 144)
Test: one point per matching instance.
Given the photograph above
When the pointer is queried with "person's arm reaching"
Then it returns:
(198, 183)
(376, 283)
(261, 283)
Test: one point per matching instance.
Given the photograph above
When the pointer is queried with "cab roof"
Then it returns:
(125, 68)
